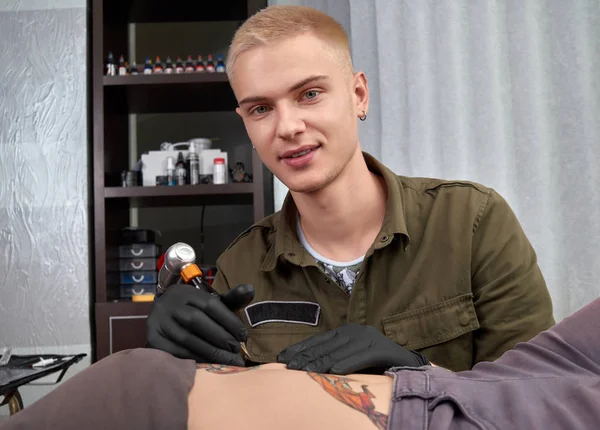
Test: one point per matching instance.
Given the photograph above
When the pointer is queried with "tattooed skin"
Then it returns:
(222, 369)
(336, 386)
(340, 389)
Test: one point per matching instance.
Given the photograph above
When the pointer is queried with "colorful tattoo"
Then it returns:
(222, 369)
(340, 389)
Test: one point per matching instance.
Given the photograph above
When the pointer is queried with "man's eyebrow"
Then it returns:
(308, 80)
(294, 87)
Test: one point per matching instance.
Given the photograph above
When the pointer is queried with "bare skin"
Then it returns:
(273, 397)
(292, 98)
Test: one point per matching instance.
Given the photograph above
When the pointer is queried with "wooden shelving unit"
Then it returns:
(120, 324)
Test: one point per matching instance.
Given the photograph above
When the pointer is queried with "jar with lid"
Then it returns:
(219, 171)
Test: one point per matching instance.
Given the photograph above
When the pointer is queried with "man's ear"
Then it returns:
(361, 93)
(238, 111)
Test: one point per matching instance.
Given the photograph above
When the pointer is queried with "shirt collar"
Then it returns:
(394, 221)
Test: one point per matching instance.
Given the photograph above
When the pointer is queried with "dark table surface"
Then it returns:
(19, 370)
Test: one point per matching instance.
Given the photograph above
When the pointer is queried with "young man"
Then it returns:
(549, 382)
(361, 267)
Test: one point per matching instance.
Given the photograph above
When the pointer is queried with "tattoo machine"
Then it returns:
(180, 263)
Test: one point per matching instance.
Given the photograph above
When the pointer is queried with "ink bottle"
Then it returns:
(178, 65)
(158, 68)
(210, 65)
(200, 64)
(189, 65)
(122, 66)
(110, 65)
(148, 66)
(169, 66)
(220, 64)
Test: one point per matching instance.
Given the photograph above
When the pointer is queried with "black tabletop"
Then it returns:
(19, 370)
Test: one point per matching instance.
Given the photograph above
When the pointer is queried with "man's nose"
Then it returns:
(289, 123)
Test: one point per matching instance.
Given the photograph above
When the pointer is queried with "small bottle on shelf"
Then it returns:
(189, 65)
(148, 66)
(122, 66)
(200, 64)
(171, 171)
(169, 66)
(220, 64)
(180, 170)
(158, 67)
(219, 171)
(110, 65)
(178, 65)
(210, 65)
(192, 161)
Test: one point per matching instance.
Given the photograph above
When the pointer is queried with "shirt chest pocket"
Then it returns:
(442, 331)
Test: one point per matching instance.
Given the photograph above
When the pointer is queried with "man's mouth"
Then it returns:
(300, 154)
(297, 154)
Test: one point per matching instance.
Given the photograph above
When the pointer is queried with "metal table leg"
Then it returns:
(15, 402)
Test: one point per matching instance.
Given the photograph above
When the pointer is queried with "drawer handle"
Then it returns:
(137, 293)
(137, 253)
(137, 267)
(136, 280)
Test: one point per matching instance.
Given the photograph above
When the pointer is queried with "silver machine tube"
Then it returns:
(178, 256)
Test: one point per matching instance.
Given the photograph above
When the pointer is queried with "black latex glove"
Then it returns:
(349, 349)
(190, 323)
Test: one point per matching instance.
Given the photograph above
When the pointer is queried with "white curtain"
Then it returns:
(505, 93)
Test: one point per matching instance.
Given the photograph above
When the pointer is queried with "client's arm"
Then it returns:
(273, 397)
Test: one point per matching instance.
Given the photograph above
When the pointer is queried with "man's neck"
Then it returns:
(341, 221)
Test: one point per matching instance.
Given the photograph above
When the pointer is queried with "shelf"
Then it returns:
(185, 195)
(147, 11)
(180, 190)
(125, 307)
(186, 92)
(166, 79)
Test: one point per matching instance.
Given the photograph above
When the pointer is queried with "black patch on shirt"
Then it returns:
(288, 312)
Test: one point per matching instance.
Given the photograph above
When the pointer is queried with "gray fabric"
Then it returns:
(138, 389)
(551, 382)
(503, 92)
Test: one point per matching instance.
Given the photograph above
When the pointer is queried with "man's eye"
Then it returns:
(311, 94)
(260, 110)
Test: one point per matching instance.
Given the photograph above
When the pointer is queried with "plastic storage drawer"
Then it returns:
(137, 264)
(139, 250)
(127, 291)
(138, 277)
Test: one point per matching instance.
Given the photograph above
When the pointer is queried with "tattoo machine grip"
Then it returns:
(192, 275)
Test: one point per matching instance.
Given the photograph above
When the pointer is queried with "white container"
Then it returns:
(219, 171)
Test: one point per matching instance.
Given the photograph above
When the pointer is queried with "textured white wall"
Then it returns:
(44, 275)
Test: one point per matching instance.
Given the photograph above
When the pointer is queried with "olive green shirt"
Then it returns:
(451, 275)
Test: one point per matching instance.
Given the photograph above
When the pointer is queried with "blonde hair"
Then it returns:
(275, 23)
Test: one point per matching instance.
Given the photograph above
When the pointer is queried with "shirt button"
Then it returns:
(464, 319)
(384, 238)
(291, 254)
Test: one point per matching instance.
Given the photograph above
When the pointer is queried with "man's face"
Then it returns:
(300, 109)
